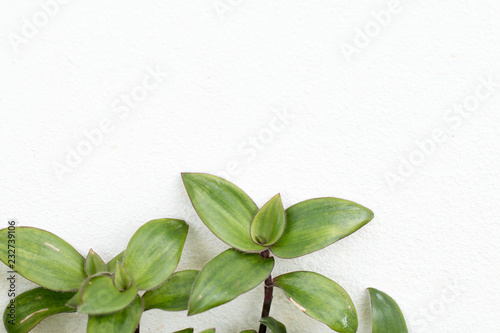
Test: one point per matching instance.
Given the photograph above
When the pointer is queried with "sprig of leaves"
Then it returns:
(109, 292)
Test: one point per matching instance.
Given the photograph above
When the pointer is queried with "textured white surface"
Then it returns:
(357, 120)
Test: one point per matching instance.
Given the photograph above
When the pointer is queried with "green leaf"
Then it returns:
(320, 298)
(154, 252)
(224, 208)
(211, 330)
(100, 296)
(227, 276)
(173, 295)
(32, 307)
(43, 258)
(112, 262)
(268, 223)
(187, 330)
(75, 300)
(123, 321)
(94, 264)
(387, 316)
(314, 224)
(274, 325)
(249, 331)
(122, 278)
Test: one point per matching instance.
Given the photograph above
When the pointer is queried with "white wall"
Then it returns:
(225, 74)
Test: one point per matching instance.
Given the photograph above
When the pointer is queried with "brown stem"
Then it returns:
(268, 295)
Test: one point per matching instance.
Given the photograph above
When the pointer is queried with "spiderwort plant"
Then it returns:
(107, 293)
(255, 234)
(110, 294)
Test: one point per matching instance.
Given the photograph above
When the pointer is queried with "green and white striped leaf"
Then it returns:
(320, 298)
(224, 208)
(210, 330)
(33, 306)
(387, 316)
(227, 276)
(268, 223)
(123, 321)
(94, 264)
(249, 331)
(274, 325)
(187, 330)
(154, 252)
(174, 294)
(43, 258)
(314, 224)
(100, 296)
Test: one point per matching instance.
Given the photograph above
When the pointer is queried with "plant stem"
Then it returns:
(268, 295)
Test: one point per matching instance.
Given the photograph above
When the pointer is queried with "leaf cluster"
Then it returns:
(114, 295)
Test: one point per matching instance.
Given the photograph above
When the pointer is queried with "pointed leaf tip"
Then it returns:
(154, 252)
(122, 278)
(76, 300)
(112, 263)
(224, 208)
(268, 223)
(94, 264)
(387, 316)
(314, 224)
